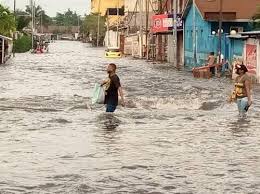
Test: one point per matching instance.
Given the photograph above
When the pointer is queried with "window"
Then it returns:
(237, 29)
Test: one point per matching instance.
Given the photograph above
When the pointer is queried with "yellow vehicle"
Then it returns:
(113, 53)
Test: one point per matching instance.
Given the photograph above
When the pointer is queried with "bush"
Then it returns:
(23, 44)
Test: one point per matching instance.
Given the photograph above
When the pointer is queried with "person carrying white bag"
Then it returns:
(113, 88)
(98, 95)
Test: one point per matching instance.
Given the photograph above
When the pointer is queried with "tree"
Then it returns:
(67, 18)
(40, 15)
(90, 27)
(7, 21)
(22, 19)
(256, 19)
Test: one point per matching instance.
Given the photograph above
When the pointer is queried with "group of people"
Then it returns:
(242, 94)
(40, 46)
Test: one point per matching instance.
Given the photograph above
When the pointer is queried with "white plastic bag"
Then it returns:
(98, 96)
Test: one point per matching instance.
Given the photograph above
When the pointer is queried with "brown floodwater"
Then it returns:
(177, 134)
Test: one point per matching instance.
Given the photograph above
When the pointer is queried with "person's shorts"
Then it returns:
(241, 104)
(111, 108)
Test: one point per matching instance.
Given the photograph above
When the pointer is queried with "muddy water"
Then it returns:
(176, 135)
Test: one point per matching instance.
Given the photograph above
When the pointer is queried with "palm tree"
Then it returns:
(7, 21)
(40, 15)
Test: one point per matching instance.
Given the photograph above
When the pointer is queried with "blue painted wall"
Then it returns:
(206, 42)
(236, 48)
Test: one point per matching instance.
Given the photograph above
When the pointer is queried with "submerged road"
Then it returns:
(176, 135)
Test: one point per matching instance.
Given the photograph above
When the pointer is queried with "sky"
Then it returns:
(53, 6)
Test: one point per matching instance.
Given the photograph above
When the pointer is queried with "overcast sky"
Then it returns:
(53, 6)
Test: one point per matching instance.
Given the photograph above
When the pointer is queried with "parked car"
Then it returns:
(113, 52)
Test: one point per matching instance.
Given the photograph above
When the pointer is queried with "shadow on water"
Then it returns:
(108, 121)
(239, 126)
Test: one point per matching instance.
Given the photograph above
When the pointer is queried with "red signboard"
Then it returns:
(251, 57)
(158, 23)
(164, 23)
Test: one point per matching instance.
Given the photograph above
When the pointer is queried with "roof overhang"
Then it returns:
(238, 36)
(251, 34)
(5, 37)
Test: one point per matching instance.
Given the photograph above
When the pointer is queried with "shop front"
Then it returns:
(162, 30)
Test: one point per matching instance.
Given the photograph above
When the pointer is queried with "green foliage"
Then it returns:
(90, 26)
(23, 44)
(7, 21)
(67, 18)
(22, 20)
(256, 18)
(40, 15)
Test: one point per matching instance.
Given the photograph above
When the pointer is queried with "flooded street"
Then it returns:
(177, 134)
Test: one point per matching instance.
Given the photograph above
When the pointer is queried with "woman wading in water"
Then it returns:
(242, 92)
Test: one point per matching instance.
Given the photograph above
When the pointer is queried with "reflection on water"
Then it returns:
(108, 121)
(241, 125)
(176, 134)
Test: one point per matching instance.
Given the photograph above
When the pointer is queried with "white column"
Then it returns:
(258, 61)
(3, 50)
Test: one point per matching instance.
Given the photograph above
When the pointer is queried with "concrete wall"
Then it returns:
(59, 29)
(133, 45)
(111, 39)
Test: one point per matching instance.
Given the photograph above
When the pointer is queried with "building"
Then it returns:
(113, 10)
(143, 38)
(245, 47)
(6, 45)
(162, 31)
(102, 6)
(136, 27)
(201, 29)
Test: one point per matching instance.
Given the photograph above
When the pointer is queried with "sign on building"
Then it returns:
(164, 23)
(251, 58)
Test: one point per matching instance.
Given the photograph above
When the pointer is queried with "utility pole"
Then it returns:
(146, 28)
(220, 29)
(78, 24)
(174, 30)
(32, 21)
(98, 27)
(194, 35)
(14, 32)
(117, 27)
(141, 27)
(108, 38)
(41, 24)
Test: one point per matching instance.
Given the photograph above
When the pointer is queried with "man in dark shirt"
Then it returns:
(113, 88)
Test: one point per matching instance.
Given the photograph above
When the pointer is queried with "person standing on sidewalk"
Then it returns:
(113, 88)
(242, 92)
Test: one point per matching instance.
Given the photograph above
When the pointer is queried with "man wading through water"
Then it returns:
(112, 89)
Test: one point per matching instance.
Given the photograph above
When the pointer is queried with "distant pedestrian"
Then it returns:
(113, 88)
(211, 61)
(242, 92)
